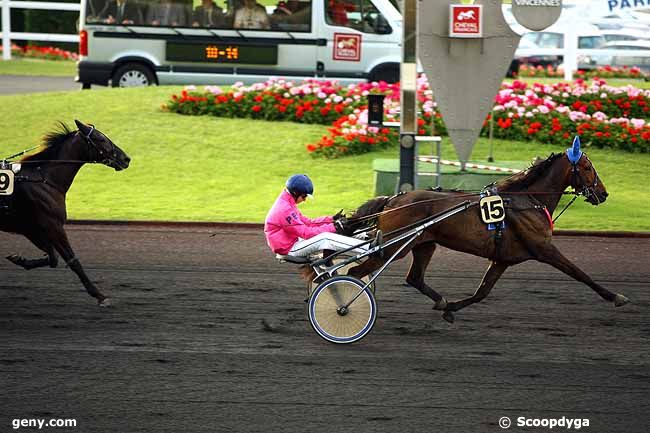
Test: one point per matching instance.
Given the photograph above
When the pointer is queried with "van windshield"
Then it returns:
(289, 15)
(360, 15)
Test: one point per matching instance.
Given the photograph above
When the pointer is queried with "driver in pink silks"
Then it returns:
(289, 232)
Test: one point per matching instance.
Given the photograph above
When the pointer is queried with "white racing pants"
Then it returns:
(326, 241)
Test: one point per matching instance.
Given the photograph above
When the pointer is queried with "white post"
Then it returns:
(6, 29)
(570, 53)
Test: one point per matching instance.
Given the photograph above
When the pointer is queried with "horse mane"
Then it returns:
(370, 207)
(51, 141)
(527, 177)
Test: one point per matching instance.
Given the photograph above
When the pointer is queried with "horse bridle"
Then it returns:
(103, 157)
(588, 191)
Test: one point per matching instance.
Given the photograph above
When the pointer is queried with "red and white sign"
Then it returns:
(347, 47)
(465, 21)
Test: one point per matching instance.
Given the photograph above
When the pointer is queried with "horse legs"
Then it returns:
(44, 245)
(61, 243)
(415, 278)
(552, 256)
(492, 275)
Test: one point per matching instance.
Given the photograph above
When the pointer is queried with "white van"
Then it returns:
(143, 42)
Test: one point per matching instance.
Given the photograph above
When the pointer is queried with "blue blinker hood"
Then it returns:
(574, 153)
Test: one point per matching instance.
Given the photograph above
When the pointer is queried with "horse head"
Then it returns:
(102, 149)
(583, 176)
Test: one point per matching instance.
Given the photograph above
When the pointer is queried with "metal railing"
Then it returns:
(571, 53)
(8, 35)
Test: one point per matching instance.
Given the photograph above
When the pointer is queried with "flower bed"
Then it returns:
(603, 115)
(46, 53)
(529, 71)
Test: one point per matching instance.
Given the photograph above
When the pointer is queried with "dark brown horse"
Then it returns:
(37, 207)
(530, 198)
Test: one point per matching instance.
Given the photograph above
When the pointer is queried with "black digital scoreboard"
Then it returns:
(222, 53)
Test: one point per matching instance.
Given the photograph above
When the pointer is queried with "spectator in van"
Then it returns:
(280, 15)
(167, 13)
(301, 13)
(208, 15)
(337, 12)
(126, 12)
(282, 10)
(251, 16)
(94, 9)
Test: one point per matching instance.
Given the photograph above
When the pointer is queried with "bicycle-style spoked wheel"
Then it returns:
(311, 286)
(332, 320)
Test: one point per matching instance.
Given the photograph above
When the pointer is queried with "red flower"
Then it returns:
(258, 98)
(256, 108)
(311, 148)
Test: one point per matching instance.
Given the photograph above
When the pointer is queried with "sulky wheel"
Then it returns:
(332, 320)
(311, 285)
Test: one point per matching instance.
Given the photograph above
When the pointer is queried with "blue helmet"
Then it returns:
(300, 184)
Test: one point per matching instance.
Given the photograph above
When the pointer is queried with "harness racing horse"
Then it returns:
(530, 197)
(37, 208)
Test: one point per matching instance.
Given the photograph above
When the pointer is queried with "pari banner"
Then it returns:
(596, 8)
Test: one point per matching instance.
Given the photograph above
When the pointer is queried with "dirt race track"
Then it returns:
(183, 349)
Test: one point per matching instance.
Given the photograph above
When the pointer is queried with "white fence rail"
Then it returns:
(8, 35)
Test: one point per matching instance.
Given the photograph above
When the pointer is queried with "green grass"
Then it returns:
(50, 68)
(189, 168)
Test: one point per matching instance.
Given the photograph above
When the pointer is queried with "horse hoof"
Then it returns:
(441, 304)
(106, 302)
(448, 316)
(620, 300)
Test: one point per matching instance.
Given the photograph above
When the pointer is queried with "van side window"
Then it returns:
(118, 12)
(291, 16)
(167, 13)
(286, 15)
(361, 15)
(208, 14)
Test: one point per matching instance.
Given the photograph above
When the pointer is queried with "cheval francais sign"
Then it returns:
(347, 47)
(465, 21)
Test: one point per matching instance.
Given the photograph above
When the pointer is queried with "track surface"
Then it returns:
(182, 350)
(20, 84)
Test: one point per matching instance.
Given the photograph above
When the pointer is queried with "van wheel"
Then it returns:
(132, 75)
(388, 74)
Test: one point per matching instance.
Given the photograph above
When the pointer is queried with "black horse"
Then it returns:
(37, 207)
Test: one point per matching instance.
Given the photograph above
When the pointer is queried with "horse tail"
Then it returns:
(307, 273)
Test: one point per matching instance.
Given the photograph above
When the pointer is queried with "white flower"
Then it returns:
(638, 123)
